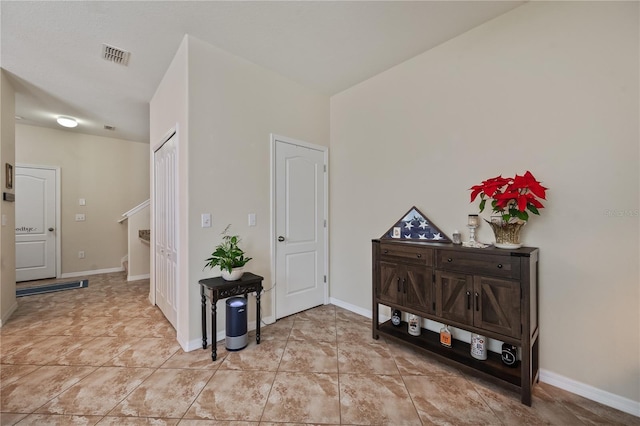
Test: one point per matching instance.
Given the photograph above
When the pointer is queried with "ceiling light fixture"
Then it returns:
(67, 121)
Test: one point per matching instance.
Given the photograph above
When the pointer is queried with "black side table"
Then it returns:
(216, 289)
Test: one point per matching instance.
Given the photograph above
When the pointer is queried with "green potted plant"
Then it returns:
(229, 257)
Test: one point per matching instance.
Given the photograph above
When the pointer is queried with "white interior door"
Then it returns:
(164, 230)
(300, 190)
(36, 233)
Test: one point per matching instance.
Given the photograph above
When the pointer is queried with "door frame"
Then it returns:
(274, 139)
(173, 132)
(58, 231)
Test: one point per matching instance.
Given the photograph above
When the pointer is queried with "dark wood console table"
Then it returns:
(489, 291)
(216, 289)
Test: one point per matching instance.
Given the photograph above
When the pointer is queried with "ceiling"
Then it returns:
(52, 50)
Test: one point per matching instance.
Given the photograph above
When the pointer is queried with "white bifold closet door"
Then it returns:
(164, 232)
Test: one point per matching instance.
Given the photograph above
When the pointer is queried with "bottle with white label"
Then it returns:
(414, 325)
(478, 346)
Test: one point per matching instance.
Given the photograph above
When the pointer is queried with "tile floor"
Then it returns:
(102, 355)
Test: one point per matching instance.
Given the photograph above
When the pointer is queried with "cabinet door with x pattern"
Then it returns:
(406, 286)
(488, 303)
(497, 305)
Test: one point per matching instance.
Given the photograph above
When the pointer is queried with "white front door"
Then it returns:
(35, 223)
(164, 229)
(300, 249)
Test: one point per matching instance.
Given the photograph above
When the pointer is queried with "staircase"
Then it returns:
(136, 262)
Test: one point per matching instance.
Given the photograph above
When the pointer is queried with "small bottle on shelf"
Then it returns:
(509, 355)
(445, 336)
(396, 317)
(478, 346)
(414, 325)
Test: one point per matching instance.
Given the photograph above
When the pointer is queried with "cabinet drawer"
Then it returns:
(414, 254)
(479, 264)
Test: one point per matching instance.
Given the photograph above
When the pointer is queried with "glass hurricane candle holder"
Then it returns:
(472, 224)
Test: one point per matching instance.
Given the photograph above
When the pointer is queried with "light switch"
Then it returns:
(205, 220)
(79, 217)
(252, 219)
(4, 220)
(82, 202)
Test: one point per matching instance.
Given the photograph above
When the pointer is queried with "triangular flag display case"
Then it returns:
(414, 225)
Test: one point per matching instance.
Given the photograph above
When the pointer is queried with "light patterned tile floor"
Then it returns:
(103, 356)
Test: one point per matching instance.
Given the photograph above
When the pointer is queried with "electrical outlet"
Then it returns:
(79, 217)
(81, 254)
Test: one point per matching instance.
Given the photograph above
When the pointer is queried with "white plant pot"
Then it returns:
(234, 275)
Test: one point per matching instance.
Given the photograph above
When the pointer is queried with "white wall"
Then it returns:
(8, 302)
(232, 107)
(550, 87)
(112, 175)
(168, 113)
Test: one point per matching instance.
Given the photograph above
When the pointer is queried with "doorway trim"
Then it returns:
(274, 138)
(56, 169)
(152, 180)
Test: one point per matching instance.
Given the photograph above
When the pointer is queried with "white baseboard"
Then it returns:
(358, 310)
(8, 314)
(594, 394)
(349, 307)
(92, 272)
(138, 277)
(268, 320)
(598, 395)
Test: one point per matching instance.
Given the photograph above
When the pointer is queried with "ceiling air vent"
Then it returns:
(114, 54)
(107, 127)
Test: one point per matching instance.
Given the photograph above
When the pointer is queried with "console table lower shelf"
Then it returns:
(459, 356)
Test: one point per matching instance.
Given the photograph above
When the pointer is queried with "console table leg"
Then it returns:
(374, 329)
(258, 315)
(526, 372)
(214, 330)
(203, 317)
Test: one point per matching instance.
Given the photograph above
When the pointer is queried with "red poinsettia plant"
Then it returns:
(511, 197)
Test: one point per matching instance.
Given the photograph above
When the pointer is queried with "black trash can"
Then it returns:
(237, 336)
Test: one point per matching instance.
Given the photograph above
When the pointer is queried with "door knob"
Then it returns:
(51, 229)
(281, 238)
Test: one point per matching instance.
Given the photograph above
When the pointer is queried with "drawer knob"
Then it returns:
(386, 251)
(419, 255)
(499, 265)
(449, 260)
